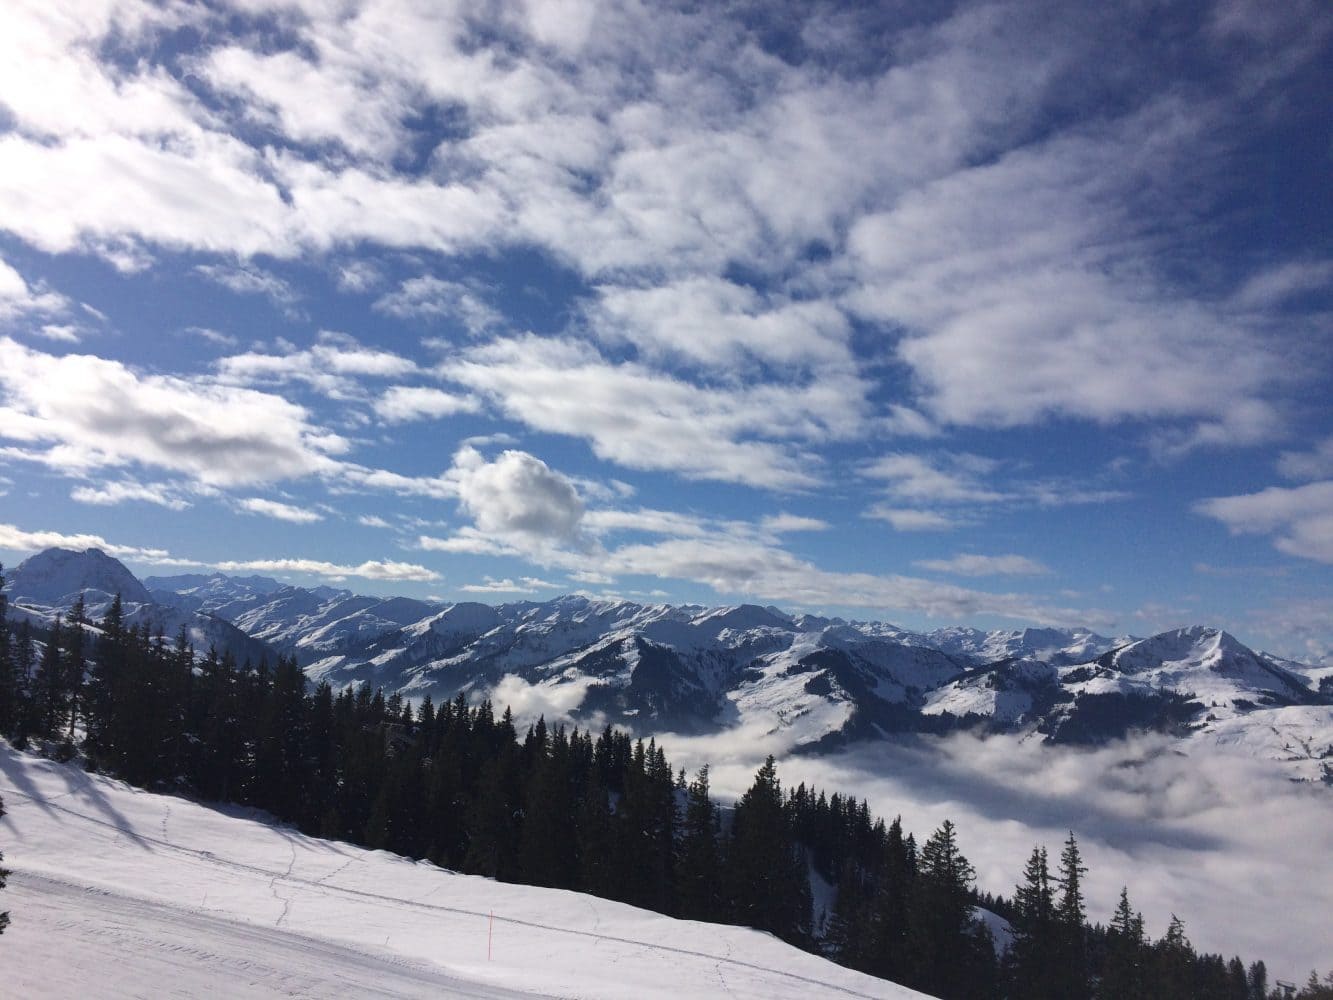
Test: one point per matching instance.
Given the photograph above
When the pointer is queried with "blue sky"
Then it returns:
(984, 313)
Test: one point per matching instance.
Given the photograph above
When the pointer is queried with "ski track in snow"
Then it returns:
(101, 882)
(317, 884)
(200, 954)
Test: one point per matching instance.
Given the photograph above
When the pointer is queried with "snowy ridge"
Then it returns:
(808, 681)
(119, 892)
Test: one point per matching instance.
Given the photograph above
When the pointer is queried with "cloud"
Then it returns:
(1189, 835)
(65, 333)
(965, 484)
(433, 298)
(18, 298)
(780, 524)
(92, 413)
(556, 700)
(16, 538)
(716, 322)
(279, 511)
(373, 521)
(1277, 285)
(251, 280)
(1017, 312)
(211, 336)
(910, 519)
(277, 89)
(402, 403)
(527, 585)
(1300, 518)
(358, 276)
(640, 418)
(517, 494)
(948, 479)
(1317, 463)
(650, 521)
(734, 564)
(332, 366)
(111, 493)
(397, 572)
(969, 564)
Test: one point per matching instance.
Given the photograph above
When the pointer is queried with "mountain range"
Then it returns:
(811, 683)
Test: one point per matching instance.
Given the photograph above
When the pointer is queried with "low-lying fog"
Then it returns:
(1243, 856)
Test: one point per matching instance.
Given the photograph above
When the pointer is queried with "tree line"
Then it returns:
(458, 784)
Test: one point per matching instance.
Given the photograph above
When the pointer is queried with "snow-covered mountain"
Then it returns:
(50, 582)
(809, 682)
(56, 578)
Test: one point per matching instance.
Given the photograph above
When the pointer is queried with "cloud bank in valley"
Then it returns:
(1220, 839)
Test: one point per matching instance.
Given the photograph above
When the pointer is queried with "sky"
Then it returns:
(983, 313)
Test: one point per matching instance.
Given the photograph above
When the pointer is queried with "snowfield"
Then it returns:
(118, 892)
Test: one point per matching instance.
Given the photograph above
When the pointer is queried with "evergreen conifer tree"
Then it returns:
(1071, 958)
(4, 877)
(698, 870)
(942, 932)
(49, 685)
(1028, 961)
(74, 657)
(1258, 977)
(768, 885)
(890, 907)
(26, 714)
(1124, 971)
(9, 681)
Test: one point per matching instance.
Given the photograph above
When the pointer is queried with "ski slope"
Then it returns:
(117, 892)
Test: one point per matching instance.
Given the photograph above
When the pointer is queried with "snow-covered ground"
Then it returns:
(118, 892)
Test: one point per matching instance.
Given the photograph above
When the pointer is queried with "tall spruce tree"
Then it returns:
(1071, 957)
(769, 888)
(9, 682)
(1028, 960)
(699, 866)
(943, 934)
(891, 905)
(26, 716)
(4, 877)
(49, 686)
(74, 657)
(1173, 964)
(1124, 969)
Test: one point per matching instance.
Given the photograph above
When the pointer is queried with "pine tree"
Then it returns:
(769, 888)
(104, 681)
(4, 877)
(1071, 965)
(698, 870)
(26, 720)
(1124, 972)
(49, 685)
(1029, 964)
(9, 681)
(1173, 963)
(1258, 981)
(891, 905)
(942, 927)
(75, 653)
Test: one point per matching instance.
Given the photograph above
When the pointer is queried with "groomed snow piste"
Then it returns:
(118, 892)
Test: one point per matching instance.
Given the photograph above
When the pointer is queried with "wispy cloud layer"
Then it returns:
(629, 240)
